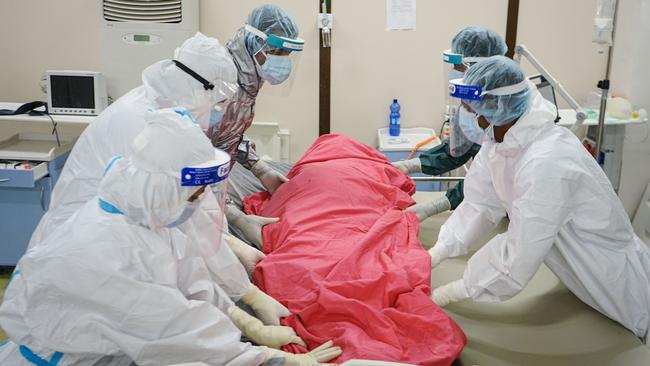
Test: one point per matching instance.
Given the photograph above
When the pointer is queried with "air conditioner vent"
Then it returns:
(143, 11)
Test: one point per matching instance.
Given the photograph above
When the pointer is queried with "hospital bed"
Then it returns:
(543, 325)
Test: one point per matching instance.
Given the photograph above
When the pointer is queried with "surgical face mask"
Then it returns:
(276, 69)
(216, 117)
(185, 213)
(455, 74)
(468, 123)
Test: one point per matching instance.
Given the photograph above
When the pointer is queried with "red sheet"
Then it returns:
(347, 262)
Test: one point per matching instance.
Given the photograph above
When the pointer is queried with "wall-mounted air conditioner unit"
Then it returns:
(137, 33)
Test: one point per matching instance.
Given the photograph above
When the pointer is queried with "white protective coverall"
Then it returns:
(563, 212)
(111, 134)
(108, 287)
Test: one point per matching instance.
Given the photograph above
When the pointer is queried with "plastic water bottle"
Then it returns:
(393, 119)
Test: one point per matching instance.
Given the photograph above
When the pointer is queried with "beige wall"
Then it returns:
(370, 66)
(38, 35)
(558, 32)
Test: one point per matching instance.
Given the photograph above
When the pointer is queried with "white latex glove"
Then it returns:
(426, 210)
(267, 309)
(271, 179)
(274, 336)
(451, 292)
(250, 225)
(323, 353)
(248, 256)
(436, 257)
(409, 166)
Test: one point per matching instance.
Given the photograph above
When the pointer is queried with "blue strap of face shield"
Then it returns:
(38, 361)
(203, 176)
(276, 41)
(467, 92)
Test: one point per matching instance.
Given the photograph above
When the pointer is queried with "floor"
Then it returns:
(4, 279)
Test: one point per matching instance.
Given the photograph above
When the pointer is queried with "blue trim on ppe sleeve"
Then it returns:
(111, 162)
(38, 361)
(15, 273)
(109, 207)
(185, 113)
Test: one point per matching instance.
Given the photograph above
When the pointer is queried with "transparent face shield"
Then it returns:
(454, 67)
(211, 101)
(278, 60)
(208, 183)
(465, 130)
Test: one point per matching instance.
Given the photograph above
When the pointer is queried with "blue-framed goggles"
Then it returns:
(459, 89)
(275, 41)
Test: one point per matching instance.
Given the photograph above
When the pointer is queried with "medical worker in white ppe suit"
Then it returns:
(562, 209)
(201, 78)
(106, 287)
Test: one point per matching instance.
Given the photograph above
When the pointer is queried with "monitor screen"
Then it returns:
(72, 91)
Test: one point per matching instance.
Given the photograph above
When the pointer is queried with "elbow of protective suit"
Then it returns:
(499, 290)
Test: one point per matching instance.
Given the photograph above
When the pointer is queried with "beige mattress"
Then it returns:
(544, 325)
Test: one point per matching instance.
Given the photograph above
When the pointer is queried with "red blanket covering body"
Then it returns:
(347, 262)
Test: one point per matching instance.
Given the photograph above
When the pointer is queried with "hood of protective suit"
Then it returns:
(538, 119)
(248, 78)
(167, 86)
(146, 187)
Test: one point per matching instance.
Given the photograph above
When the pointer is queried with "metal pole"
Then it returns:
(438, 179)
(581, 115)
(603, 85)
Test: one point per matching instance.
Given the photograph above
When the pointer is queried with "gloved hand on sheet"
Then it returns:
(409, 166)
(267, 309)
(426, 210)
(271, 179)
(451, 292)
(250, 225)
(323, 353)
(274, 336)
(247, 255)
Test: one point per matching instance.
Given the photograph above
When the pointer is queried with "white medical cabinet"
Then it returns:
(30, 164)
(398, 148)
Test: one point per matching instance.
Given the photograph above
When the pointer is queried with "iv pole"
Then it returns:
(603, 85)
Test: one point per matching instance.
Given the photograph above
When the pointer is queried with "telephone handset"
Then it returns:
(27, 108)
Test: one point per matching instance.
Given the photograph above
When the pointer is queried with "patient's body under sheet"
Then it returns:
(347, 262)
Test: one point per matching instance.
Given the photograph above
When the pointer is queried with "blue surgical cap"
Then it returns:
(497, 72)
(270, 19)
(478, 42)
